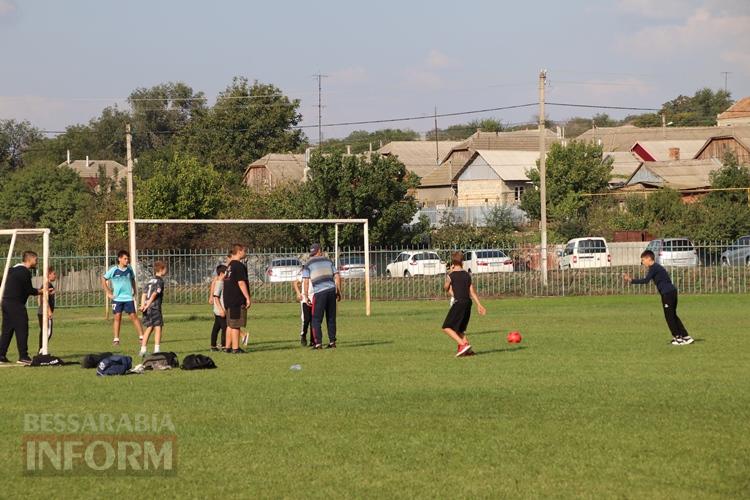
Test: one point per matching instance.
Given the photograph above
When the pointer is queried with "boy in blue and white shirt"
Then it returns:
(119, 285)
(321, 275)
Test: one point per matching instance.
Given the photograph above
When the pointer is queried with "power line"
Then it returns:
(598, 106)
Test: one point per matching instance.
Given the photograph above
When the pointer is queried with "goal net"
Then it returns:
(14, 234)
(336, 223)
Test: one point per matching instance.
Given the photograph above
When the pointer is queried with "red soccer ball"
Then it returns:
(514, 337)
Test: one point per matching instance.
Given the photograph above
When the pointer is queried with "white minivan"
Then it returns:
(415, 263)
(585, 253)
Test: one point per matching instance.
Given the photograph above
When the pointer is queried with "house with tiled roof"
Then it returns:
(737, 114)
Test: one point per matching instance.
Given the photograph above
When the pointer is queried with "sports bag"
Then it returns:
(114, 365)
(46, 360)
(197, 362)
(93, 360)
(161, 361)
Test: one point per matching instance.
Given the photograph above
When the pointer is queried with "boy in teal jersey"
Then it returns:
(119, 285)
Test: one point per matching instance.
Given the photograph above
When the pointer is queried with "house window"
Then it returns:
(518, 193)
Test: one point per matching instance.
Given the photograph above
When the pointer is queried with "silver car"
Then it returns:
(676, 252)
(738, 254)
(353, 266)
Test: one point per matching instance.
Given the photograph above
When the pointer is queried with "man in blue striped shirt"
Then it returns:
(320, 274)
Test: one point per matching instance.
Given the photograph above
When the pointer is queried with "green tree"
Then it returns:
(350, 187)
(461, 131)
(578, 125)
(15, 139)
(248, 121)
(40, 195)
(700, 109)
(730, 175)
(572, 170)
(161, 111)
(360, 140)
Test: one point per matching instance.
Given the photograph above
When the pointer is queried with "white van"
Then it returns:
(585, 253)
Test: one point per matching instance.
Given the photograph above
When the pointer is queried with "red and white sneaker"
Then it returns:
(463, 350)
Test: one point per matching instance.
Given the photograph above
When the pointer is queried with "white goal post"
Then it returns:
(336, 222)
(44, 232)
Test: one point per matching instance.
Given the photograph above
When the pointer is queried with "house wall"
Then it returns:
(436, 195)
(473, 193)
(718, 147)
(258, 178)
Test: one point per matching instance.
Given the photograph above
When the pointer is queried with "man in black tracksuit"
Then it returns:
(18, 288)
(668, 293)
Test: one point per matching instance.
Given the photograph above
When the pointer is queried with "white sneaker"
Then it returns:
(687, 340)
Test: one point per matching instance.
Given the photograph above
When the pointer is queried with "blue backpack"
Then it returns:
(114, 365)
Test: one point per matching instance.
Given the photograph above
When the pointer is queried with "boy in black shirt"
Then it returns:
(236, 297)
(668, 293)
(459, 281)
(18, 288)
(51, 278)
(151, 308)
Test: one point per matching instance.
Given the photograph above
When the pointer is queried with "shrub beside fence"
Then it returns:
(190, 273)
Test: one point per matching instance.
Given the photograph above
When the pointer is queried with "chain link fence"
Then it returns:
(716, 267)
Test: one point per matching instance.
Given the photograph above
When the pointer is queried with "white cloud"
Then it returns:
(419, 77)
(355, 74)
(703, 33)
(657, 9)
(7, 8)
(438, 60)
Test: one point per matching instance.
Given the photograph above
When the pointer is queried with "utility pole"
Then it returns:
(437, 144)
(543, 175)
(726, 79)
(320, 77)
(131, 210)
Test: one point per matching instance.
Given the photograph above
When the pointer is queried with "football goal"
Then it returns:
(44, 233)
(335, 222)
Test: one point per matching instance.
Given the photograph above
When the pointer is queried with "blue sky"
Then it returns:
(63, 61)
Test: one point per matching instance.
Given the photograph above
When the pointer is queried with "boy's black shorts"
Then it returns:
(152, 317)
(458, 316)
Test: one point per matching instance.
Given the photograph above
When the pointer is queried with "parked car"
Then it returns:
(353, 266)
(738, 254)
(415, 263)
(677, 252)
(487, 261)
(584, 253)
(283, 269)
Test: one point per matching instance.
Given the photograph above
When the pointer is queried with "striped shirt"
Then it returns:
(320, 271)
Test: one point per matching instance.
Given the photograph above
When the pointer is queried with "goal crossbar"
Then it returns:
(336, 222)
(44, 233)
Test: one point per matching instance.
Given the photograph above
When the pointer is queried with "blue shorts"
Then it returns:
(123, 307)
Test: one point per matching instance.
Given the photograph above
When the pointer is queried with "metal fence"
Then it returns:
(190, 273)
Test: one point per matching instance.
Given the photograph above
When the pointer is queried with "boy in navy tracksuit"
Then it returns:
(668, 293)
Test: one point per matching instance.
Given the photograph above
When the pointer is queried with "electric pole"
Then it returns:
(726, 79)
(437, 144)
(543, 175)
(320, 77)
(131, 210)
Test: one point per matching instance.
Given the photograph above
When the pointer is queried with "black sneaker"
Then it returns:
(24, 361)
(3, 360)
(331, 345)
(227, 350)
(215, 349)
(238, 351)
(316, 346)
(303, 340)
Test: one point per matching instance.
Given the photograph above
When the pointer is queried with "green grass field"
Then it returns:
(594, 403)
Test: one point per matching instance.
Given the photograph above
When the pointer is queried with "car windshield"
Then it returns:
(286, 263)
(678, 246)
(490, 254)
(592, 246)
